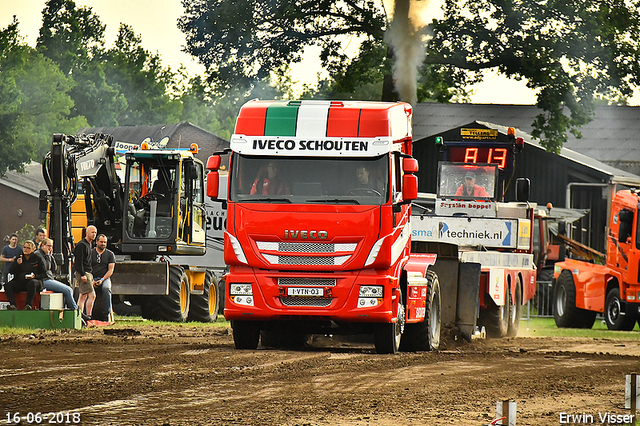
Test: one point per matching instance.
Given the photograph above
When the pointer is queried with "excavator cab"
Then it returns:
(165, 211)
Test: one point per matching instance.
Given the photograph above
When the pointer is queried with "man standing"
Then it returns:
(40, 235)
(103, 262)
(9, 254)
(83, 277)
(28, 272)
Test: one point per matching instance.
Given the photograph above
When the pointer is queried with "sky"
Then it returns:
(156, 22)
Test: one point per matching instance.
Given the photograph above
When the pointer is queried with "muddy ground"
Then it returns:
(172, 375)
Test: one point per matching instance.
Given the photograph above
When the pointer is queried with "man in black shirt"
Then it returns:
(83, 272)
(103, 262)
(28, 272)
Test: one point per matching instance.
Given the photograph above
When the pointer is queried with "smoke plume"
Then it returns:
(405, 35)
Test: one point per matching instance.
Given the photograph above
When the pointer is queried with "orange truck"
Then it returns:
(583, 289)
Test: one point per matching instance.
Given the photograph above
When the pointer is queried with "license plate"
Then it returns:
(305, 291)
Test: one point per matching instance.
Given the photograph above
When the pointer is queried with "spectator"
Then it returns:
(103, 262)
(469, 187)
(83, 278)
(269, 182)
(40, 235)
(50, 284)
(28, 272)
(9, 254)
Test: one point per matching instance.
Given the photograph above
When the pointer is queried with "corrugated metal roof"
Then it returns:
(615, 175)
(30, 182)
(613, 135)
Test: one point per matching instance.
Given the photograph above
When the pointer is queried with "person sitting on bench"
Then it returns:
(28, 272)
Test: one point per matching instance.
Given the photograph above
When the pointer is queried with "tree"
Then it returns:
(74, 38)
(33, 102)
(140, 77)
(570, 51)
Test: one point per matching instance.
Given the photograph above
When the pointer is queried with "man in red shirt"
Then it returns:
(469, 187)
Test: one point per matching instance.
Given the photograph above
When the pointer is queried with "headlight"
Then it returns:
(371, 291)
(240, 290)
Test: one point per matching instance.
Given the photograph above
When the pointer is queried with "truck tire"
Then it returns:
(614, 316)
(495, 319)
(204, 307)
(425, 335)
(565, 312)
(515, 309)
(246, 334)
(175, 306)
(387, 336)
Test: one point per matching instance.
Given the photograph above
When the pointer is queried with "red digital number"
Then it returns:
(471, 155)
(499, 157)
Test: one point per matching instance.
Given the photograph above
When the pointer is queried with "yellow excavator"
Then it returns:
(150, 207)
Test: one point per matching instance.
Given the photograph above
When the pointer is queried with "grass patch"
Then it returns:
(546, 327)
(133, 321)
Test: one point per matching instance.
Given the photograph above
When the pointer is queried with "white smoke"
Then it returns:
(405, 36)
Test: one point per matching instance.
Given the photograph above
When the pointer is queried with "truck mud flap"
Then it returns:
(141, 278)
(468, 300)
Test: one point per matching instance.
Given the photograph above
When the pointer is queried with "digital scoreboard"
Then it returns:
(481, 155)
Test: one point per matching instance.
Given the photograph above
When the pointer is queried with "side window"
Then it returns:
(198, 190)
(397, 174)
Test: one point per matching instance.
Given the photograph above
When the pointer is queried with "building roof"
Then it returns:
(612, 137)
(30, 182)
(180, 135)
(616, 175)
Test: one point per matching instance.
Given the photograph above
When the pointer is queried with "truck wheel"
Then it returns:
(515, 308)
(614, 316)
(496, 318)
(425, 335)
(175, 306)
(565, 312)
(387, 336)
(204, 307)
(246, 334)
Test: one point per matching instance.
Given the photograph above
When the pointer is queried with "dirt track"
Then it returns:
(187, 375)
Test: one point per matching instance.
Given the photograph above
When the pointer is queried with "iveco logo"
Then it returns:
(305, 235)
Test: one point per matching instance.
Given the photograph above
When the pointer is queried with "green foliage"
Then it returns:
(34, 102)
(569, 51)
(572, 52)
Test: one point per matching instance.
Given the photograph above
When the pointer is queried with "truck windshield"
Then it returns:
(302, 180)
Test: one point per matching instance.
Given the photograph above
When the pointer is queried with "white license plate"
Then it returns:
(305, 291)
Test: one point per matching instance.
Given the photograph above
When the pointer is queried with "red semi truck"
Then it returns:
(318, 237)
(583, 289)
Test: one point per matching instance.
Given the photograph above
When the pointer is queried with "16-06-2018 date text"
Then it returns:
(60, 417)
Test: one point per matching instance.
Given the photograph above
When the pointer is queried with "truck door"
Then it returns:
(192, 208)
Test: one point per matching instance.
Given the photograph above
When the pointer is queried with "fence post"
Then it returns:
(631, 393)
(506, 409)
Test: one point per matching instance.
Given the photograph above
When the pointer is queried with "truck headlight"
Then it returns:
(241, 293)
(370, 296)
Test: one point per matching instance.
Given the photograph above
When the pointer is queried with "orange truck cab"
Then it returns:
(583, 289)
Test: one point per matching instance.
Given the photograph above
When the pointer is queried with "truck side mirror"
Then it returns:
(409, 188)
(626, 221)
(410, 165)
(213, 162)
(213, 184)
(522, 189)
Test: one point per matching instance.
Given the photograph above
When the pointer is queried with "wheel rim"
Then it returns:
(561, 300)
(212, 300)
(433, 318)
(184, 294)
(399, 324)
(613, 311)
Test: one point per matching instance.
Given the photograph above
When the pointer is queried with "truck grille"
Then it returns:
(321, 302)
(306, 254)
(318, 282)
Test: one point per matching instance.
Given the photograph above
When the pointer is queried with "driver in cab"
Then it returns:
(367, 181)
(469, 187)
